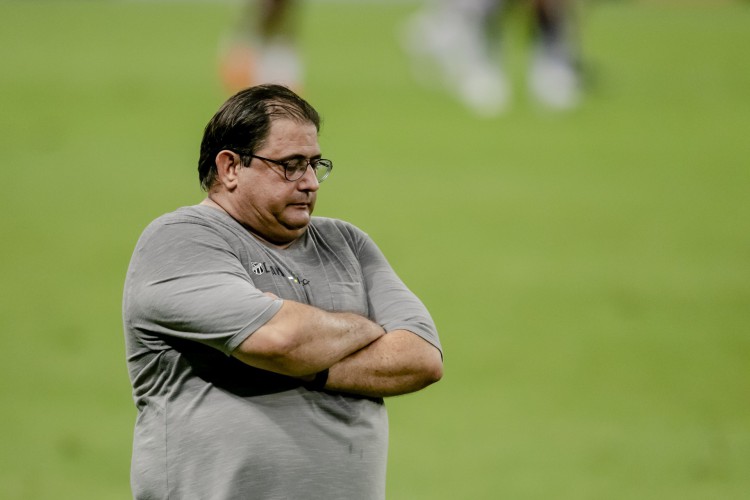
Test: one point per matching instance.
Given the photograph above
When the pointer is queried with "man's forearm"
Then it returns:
(302, 340)
(397, 363)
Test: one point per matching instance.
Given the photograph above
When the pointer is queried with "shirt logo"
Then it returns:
(260, 268)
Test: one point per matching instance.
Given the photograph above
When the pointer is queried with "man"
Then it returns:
(261, 340)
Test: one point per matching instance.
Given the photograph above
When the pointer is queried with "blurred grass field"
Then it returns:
(589, 272)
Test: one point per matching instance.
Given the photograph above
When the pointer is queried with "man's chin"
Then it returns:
(297, 220)
(296, 226)
(285, 233)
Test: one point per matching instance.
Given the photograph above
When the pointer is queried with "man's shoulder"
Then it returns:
(194, 214)
(188, 222)
(187, 214)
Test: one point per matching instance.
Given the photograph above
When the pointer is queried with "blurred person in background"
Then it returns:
(460, 38)
(262, 47)
(260, 340)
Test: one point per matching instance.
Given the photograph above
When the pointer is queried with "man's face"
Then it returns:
(276, 209)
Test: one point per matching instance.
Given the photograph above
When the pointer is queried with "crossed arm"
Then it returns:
(301, 340)
(397, 363)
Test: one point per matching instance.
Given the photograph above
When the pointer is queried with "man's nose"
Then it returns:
(309, 181)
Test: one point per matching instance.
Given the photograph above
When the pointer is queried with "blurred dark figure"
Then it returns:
(262, 47)
(460, 38)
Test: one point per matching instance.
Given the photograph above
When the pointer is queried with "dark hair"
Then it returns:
(243, 122)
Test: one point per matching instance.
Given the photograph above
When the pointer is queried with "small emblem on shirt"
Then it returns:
(260, 268)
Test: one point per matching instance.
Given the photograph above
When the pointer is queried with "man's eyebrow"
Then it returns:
(300, 157)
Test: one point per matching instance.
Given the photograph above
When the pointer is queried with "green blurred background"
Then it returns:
(589, 272)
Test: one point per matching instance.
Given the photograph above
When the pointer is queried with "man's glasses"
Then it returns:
(295, 168)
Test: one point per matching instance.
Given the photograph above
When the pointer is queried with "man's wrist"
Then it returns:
(319, 382)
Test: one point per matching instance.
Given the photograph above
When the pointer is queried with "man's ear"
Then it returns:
(228, 164)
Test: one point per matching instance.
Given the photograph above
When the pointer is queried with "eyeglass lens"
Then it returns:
(321, 167)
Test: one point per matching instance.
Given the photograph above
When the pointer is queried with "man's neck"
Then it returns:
(209, 202)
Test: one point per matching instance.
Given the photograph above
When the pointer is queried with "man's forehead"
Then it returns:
(284, 122)
(288, 131)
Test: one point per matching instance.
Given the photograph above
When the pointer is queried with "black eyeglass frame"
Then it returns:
(310, 162)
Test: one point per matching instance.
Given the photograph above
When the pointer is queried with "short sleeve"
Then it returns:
(392, 304)
(185, 281)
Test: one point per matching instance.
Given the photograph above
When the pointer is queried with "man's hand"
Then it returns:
(397, 363)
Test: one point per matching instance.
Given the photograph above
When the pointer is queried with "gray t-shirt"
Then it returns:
(211, 427)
